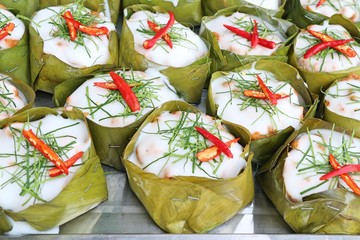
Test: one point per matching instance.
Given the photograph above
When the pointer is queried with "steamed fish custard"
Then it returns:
(182, 143)
(177, 47)
(256, 100)
(38, 160)
(102, 102)
(319, 160)
(326, 48)
(78, 38)
(348, 8)
(11, 98)
(12, 29)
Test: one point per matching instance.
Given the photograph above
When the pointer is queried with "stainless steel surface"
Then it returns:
(122, 215)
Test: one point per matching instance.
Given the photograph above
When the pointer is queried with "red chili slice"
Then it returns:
(153, 26)
(6, 30)
(268, 93)
(213, 151)
(54, 172)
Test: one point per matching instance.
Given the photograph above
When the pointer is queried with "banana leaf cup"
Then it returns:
(328, 212)
(211, 7)
(265, 146)
(188, 13)
(185, 204)
(110, 140)
(188, 80)
(225, 60)
(47, 70)
(84, 191)
(319, 81)
(24, 7)
(24, 89)
(111, 10)
(15, 59)
(304, 17)
(344, 91)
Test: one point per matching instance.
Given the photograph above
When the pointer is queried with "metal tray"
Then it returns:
(123, 216)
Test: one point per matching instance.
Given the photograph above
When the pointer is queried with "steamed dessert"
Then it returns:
(167, 147)
(71, 39)
(179, 54)
(47, 165)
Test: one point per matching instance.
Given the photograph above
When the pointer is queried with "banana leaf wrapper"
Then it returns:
(95, 5)
(224, 60)
(320, 81)
(26, 90)
(47, 71)
(264, 148)
(339, 120)
(211, 7)
(109, 142)
(86, 190)
(329, 212)
(189, 204)
(24, 7)
(188, 13)
(15, 60)
(297, 14)
(188, 81)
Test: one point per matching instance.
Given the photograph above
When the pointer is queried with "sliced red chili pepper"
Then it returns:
(255, 36)
(268, 93)
(345, 49)
(344, 169)
(320, 3)
(323, 45)
(45, 150)
(151, 42)
(70, 25)
(6, 30)
(261, 95)
(347, 179)
(213, 151)
(215, 140)
(95, 31)
(153, 26)
(54, 172)
(126, 92)
(263, 42)
(106, 85)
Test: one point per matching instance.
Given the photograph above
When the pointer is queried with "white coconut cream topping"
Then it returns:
(268, 4)
(174, 2)
(94, 50)
(257, 115)
(21, 172)
(187, 46)
(231, 42)
(167, 147)
(107, 107)
(343, 98)
(348, 8)
(329, 60)
(11, 99)
(309, 160)
(14, 37)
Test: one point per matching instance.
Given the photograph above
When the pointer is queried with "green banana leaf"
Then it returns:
(223, 60)
(319, 81)
(86, 190)
(329, 212)
(188, 13)
(295, 13)
(339, 120)
(47, 71)
(188, 81)
(264, 148)
(24, 7)
(23, 88)
(15, 60)
(170, 202)
(211, 7)
(95, 5)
